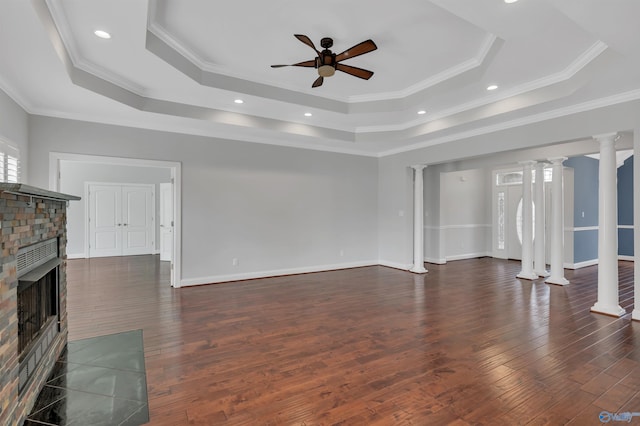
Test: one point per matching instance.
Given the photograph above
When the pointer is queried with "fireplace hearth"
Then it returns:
(33, 319)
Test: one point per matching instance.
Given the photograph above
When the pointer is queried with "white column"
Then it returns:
(556, 257)
(527, 224)
(540, 266)
(636, 226)
(418, 220)
(607, 229)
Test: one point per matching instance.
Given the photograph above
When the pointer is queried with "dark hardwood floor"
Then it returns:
(467, 343)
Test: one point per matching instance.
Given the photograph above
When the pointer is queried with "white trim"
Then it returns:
(581, 264)
(76, 256)
(626, 258)
(176, 174)
(435, 261)
(273, 273)
(468, 256)
(395, 265)
(467, 226)
(464, 226)
(594, 228)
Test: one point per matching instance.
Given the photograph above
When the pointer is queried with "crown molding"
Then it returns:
(16, 97)
(222, 131)
(536, 118)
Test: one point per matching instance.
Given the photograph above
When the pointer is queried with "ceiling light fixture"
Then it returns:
(102, 34)
(239, 101)
(421, 112)
(492, 87)
(307, 114)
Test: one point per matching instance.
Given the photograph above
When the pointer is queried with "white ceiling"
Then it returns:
(178, 65)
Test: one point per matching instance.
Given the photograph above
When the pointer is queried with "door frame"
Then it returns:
(87, 224)
(161, 224)
(176, 178)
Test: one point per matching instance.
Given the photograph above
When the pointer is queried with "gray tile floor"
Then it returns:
(97, 381)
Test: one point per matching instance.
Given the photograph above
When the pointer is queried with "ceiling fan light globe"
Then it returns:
(326, 70)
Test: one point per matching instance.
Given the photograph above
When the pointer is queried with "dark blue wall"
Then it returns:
(585, 200)
(625, 207)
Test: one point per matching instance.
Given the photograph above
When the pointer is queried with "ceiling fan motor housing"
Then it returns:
(327, 63)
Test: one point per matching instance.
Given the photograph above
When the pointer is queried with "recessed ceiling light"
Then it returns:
(421, 112)
(510, 1)
(239, 101)
(102, 34)
(307, 114)
(492, 87)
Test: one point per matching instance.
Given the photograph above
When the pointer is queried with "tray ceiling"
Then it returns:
(180, 65)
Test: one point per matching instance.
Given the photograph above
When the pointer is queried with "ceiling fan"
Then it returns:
(328, 62)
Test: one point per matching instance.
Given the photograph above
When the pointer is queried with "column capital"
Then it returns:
(557, 160)
(419, 167)
(527, 162)
(606, 137)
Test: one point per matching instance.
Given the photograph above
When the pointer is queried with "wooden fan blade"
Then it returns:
(355, 71)
(309, 63)
(306, 40)
(318, 82)
(357, 50)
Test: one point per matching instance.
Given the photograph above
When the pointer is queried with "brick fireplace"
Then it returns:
(32, 220)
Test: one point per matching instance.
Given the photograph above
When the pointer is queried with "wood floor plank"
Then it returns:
(465, 344)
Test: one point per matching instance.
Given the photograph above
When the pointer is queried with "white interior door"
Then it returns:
(166, 221)
(137, 220)
(121, 220)
(105, 221)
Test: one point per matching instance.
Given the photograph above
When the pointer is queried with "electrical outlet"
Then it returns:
(235, 261)
(341, 253)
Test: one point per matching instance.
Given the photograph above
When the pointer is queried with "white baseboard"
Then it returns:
(185, 282)
(595, 262)
(76, 256)
(435, 261)
(581, 264)
(468, 256)
(395, 265)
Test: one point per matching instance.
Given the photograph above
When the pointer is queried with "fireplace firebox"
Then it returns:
(37, 303)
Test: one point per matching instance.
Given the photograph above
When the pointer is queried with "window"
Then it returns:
(9, 163)
(515, 178)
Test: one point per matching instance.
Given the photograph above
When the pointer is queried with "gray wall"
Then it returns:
(73, 176)
(14, 130)
(465, 221)
(273, 208)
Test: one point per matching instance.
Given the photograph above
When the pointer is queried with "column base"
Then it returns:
(614, 311)
(543, 273)
(418, 270)
(557, 280)
(635, 315)
(527, 275)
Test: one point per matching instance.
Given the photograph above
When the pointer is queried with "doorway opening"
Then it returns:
(58, 162)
